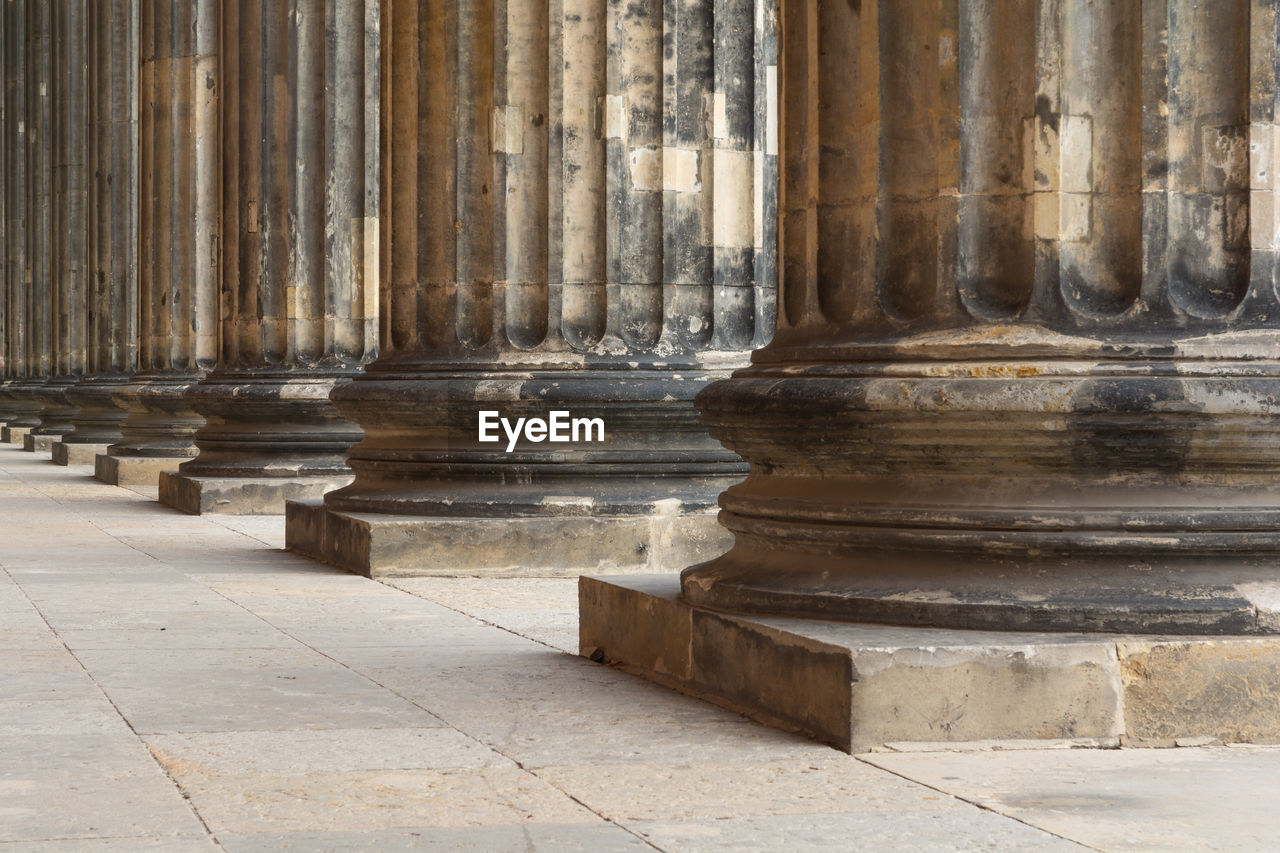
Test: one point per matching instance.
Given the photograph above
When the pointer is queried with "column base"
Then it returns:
(133, 470)
(42, 443)
(14, 435)
(860, 686)
(241, 495)
(76, 454)
(385, 545)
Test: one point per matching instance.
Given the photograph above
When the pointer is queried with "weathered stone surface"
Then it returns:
(32, 442)
(1228, 690)
(240, 495)
(860, 686)
(131, 470)
(379, 545)
(64, 453)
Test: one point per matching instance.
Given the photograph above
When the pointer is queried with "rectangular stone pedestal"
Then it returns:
(860, 686)
(133, 470)
(377, 545)
(42, 443)
(76, 454)
(14, 435)
(241, 495)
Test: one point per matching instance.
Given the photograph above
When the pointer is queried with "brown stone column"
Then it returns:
(300, 199)
(178, 239)
(46, 410)
(569, 224)
(68, 225)
(110, 232)
(1025, 372)
(20, 408)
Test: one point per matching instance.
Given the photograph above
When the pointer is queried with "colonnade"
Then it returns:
(260, 253)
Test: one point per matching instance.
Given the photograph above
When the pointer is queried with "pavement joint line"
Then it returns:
(177, 786)
(981, 806)
(447, 724)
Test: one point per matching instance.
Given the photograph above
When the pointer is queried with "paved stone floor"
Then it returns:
(172, 683)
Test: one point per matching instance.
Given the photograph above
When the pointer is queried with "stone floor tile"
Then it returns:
(1143, 799)
(101, 784)
(674, 790)
(278, 753)
(599, 837)
(375, 800)
(961, 829)
(144, 844)
(194, 690)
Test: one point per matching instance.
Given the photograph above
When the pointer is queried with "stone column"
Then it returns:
(111, 254)
(1025, 371)
(571, 222)
(20, 408)
(300, 244)
(178, 239)
(45, 413)
(68, 226)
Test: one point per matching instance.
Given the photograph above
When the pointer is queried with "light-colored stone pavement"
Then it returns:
(171, 683)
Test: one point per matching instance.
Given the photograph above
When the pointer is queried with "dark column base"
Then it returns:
(956, 485)
(156, 435)
(384, 545)
(861, 686)
(269, 437)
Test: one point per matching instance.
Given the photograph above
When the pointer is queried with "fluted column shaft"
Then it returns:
(33, 304)
(111, 231)
(178, 238)
(299, 200)
(1025, 372)
(569, 223)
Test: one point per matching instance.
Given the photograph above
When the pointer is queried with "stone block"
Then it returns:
(14, 435)
(133, 470)
(1227, 689)
(304, 528)
(76, 454)
(859, 686)
(383, 545)
(241, 495)
(33, 443)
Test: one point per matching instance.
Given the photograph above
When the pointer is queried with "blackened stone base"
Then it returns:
(384, 545)
(76, 454)
(859, 686)
(241, 495)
